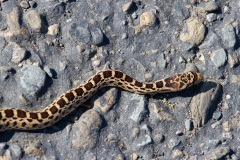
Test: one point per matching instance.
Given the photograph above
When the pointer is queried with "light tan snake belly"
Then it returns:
(13, 118)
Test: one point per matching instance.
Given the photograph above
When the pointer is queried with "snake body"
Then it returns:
(20, 119)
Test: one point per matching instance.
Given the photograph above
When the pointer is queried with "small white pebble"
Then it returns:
(228, 96)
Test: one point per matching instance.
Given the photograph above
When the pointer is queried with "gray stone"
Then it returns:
(228, 36)
(32, 79)
(181, 60)
(233, 59)
(139, 112)
(48, 71)
(203, 101)
(236, 79)
(219, 57)
(218, 153)
(127, 6)
(211, 40)
(134, 15)
(4, 75)
(158, 138)
(214, 142)
(188, 124)
(16, 151)
(34, 20)
(18, 54)
(96, 35)
(143, 141)
(225, 9)
(211, 17)
(24, 4)
(174, 142)
(88, 128)
(217, 115)
(86, 33)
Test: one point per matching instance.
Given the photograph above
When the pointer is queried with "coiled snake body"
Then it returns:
(13, 118)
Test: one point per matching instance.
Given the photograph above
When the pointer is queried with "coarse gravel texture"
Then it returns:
(50, 46)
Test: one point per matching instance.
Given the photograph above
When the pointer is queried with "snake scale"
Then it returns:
(20, 119)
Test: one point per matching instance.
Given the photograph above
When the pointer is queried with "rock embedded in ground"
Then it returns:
(33, 18)
(218, 153)
(193, 31)
(202, 102)
(219, 57)
(228, 36)
(53, 29)
(32, 79)
(18, 53)
(147, 19)
(211, 17)
(89, 125)
(127, 6)
(233, 59)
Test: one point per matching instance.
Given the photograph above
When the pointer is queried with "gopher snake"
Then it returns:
(13, 118)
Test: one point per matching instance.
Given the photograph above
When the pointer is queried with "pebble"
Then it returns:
(33, 18)
(139, 112)
(143, 141)
(233, 59)
(124, 36)
(96, 63)
(32, 79)
(86, 33)
(177, 153)
(181, 60)
(228, 36)
(135, 156)
(127, 6)
(48, 71)
(225, 9)
(32, 4)
(219, 57)
(134, 15)
(214, 142)
(211, 40)
(146, 128)
(158, 138)
(96, 35)
(147, 19)
(88, 127)
(228, 96)
(179, 133)
(13, 22)
(112, 137)
(218, 153)
(53, 29)
(174, 142)
(211, 6)
(16, 151)
(211, 17)
(217, 115)
(193, 31)
(136, 132)
(18, 54)
(236, 80)
(188, 124)
(4, 75)
(24, 4)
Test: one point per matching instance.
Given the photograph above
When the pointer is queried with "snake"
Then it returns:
(21, 119)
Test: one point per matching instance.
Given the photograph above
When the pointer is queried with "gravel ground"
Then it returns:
(50, 46)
